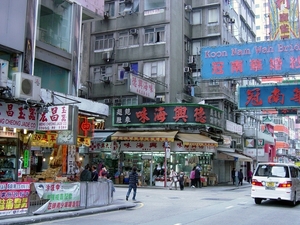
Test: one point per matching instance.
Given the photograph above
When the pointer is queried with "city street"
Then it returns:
(211, 205)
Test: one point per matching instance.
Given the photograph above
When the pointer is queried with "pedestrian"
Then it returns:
(240, 177)
(103, 173)
(78, 170)
(236, 177)
(233, 175)
(174, 179)
(181, 180)
(133, 183)
(155, 174)
(192, 177)
(94, 173)
(249, 176)
(86, 174)
(198, 176)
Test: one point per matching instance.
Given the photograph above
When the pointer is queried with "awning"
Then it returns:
(101, 136)
(234, 156)
(196, 139)
(144, 136)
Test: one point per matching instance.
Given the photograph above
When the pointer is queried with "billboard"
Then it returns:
(269, 58)
(269, 96)
(284, 19)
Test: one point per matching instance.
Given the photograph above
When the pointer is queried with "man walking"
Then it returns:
(133, 182)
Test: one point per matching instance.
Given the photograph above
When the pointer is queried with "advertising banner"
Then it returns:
(269, 58)
(14, 198)
(269, 96)
(62, 196)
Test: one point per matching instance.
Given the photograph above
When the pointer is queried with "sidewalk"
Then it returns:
(116, 205)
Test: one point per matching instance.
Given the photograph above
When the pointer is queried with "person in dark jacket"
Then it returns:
(198, 176)
(94, 173)
(86, 174)
(133, 183)
(240, 177)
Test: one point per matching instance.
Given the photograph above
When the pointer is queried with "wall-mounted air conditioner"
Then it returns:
(188, 8)
(126, 65)
(26, 86)
(187, 69)
(133, 31)
(106, 15)
(3, 73)
(106, 56)
(191, 59)
(107, 101)
(117, 101)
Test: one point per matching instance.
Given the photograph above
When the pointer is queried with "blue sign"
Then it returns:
(270, 58)
(269, 97)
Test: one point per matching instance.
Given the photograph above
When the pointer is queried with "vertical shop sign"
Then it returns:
(14, 198)
(85, 126)
(26, 158)
(64, 159)
(71, 159)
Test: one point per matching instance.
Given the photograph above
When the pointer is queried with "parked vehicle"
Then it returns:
(280, 181)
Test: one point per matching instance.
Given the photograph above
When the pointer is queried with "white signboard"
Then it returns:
(234, 127)
(142, 87)
(56, 119)
(15, 116)
(252, 152)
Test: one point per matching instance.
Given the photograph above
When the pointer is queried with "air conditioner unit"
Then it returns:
(188, 8)
(107, 101)
(3, 73)
(126, 65)
(191, 59)
(117, 101)
(160, 99)
(26, 86)
(187, 69)
(106, 55)
(232, 20)
(106, 15)
(133, 31)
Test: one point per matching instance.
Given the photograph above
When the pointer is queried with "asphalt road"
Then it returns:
(226, 206)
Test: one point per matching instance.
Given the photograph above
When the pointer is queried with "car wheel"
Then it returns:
(257, 201)
(294, 202)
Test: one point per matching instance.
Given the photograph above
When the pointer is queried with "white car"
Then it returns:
(279, 181)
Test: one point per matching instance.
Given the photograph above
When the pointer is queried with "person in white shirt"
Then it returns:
(174, 179)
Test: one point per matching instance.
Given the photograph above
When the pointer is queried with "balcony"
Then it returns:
(208, 92)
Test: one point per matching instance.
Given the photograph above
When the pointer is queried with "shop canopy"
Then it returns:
(234, 156)
(196, 139)
(102, 136)
(159, 136)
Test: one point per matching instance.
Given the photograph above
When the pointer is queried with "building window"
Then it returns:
(258, 38)
(196, 47)
(54, 24)
(103, 42)
(213, 16)
(213, 82)
(154, 35)
(129, 100)
(257, 16)
(128, 7)
(187, 45)
(154, 4)
(110, 9)
(154, 69)
(196, 19)
(126, 39)
(102, 74)
(213, 42)
(257, 27)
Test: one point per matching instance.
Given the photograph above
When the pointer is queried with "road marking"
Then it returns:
(229, 207)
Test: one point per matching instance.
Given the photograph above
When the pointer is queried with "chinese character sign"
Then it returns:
(140, 86)
(62, 196)
(156, 115)
(284, 19)
(271, 58)
(269, 96)
(15, 116)
(56, 119)
(14, 198)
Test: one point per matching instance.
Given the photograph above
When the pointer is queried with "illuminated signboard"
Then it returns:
(271, 58)
(269, 96)
(166, 114)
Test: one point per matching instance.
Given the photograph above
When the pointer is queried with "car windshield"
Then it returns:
(272, 171)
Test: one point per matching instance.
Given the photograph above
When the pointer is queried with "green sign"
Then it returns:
(26, 158)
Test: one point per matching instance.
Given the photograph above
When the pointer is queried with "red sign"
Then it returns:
(85, 126)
